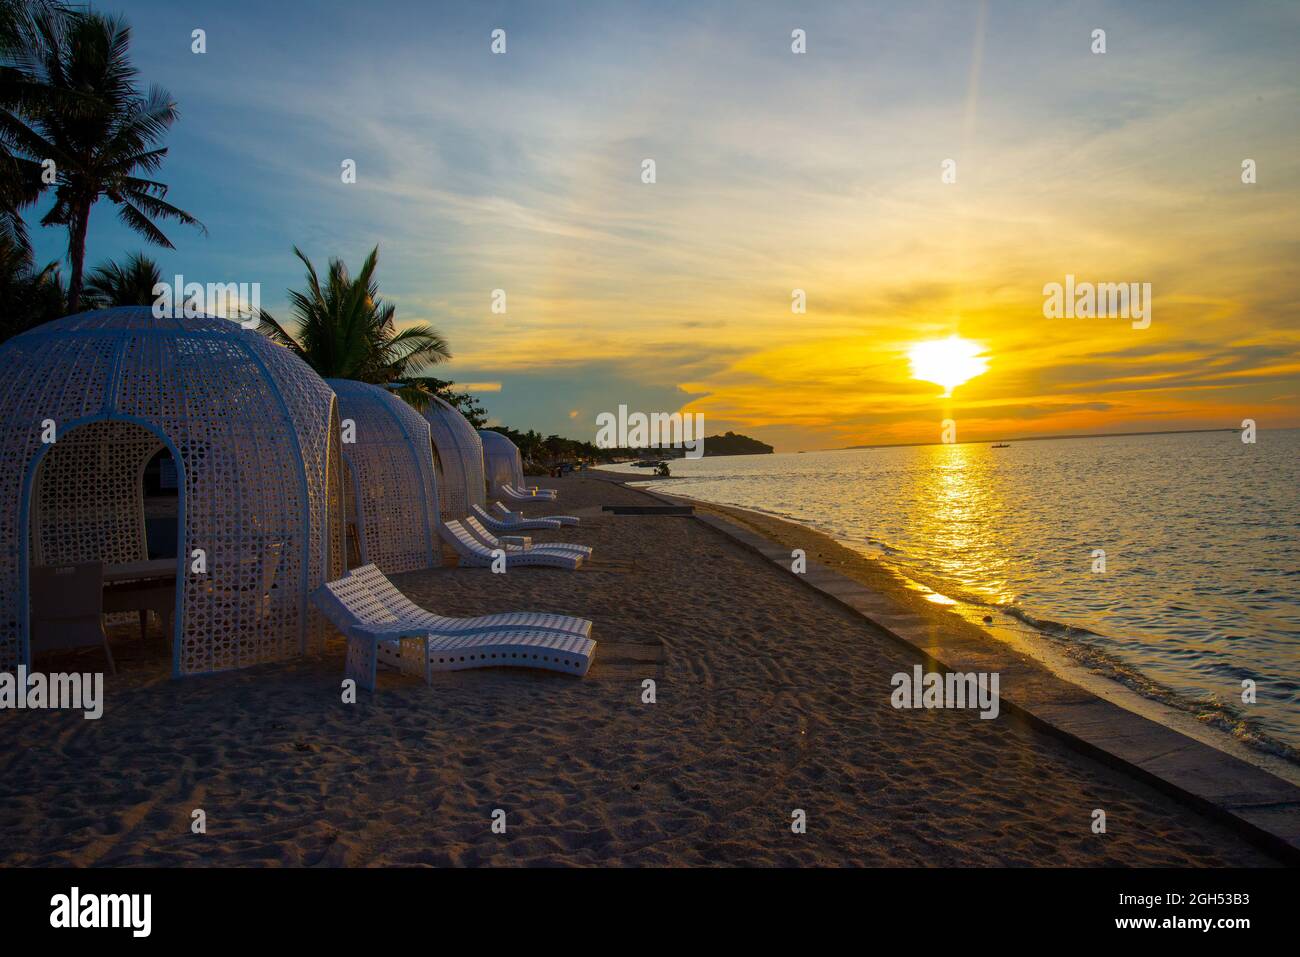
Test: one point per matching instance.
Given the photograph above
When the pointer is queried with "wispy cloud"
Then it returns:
(819, 172)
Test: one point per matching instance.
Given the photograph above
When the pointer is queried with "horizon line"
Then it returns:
(1041, 438)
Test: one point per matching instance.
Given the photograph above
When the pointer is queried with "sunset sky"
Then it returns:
(775, 171)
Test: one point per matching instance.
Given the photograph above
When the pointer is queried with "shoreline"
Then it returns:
(1190, 766)
(1095, 671)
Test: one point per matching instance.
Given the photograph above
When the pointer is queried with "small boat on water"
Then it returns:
(1002, 445)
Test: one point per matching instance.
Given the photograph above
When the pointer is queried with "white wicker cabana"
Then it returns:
(389, 489)
(458, 460)
(501, 461)
(254, 436)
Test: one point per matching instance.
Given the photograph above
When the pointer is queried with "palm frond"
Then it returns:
(345, 330)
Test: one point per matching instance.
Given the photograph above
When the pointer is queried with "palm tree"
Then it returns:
(28, 296)
(20, 88)
(110, 284)
(345, 331)
(101, 146)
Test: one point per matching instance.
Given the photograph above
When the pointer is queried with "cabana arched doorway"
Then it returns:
(253, 434)
(107, 492)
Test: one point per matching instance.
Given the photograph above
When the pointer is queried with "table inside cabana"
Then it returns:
(142, 586)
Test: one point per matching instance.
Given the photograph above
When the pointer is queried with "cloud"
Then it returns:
(775, 172)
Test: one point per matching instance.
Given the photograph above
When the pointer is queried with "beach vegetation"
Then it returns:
(20, 89)
(130, 283)
(463, 402)
(84, 122)
(344, 330)
(29, 295)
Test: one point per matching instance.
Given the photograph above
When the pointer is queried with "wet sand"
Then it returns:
(769, 698)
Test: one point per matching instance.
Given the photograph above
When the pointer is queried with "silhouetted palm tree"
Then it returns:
(110, 284)
(344, 331)
(100, 146)
(20, 88)
(28, 296)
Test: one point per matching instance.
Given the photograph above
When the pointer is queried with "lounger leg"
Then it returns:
(144, 624)
(108, 652)
(362, 663)
(413, 659)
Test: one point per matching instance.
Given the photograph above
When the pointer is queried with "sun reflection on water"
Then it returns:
(957, 507)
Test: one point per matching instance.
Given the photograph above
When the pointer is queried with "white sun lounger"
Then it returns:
(520, 524)
(519, 649)
(407, 612)
(375, 634)
(475, 553)
(491, 541)
(504, 514)
(529, 495)
(533, 489)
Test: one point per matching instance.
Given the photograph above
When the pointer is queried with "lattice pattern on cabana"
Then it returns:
(73, 519)
(390, 487)
(253, 432)
(458, 454)
(501, 461)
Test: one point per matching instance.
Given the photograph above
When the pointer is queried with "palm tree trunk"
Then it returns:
(77, 255)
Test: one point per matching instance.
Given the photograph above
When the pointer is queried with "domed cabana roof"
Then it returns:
(253, 433)
(501, 460)
(457, 458)
(391, 499)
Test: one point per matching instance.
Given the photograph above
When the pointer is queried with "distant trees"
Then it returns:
(543, 451)
(464, 403)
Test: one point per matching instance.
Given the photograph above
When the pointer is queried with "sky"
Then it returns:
(774, 172)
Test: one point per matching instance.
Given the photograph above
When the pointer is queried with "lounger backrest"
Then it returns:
(374, 579)
(482, 532)
(464, 539)
(387, 593)
(348, 602)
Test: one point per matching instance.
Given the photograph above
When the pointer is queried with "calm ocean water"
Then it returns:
(1202, 582)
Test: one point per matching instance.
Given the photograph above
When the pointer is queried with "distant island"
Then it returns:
(729, 444)
(733, 444)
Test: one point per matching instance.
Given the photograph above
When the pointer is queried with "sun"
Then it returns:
(949, 362)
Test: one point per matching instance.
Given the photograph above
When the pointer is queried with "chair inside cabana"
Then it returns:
(104, 512)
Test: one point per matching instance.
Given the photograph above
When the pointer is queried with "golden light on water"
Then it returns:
(949, 362)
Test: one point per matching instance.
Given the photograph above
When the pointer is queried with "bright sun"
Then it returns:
(949, 362)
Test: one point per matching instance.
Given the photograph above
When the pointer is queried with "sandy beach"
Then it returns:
(769, 698)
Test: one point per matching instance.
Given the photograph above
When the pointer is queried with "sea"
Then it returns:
(1169, 562)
